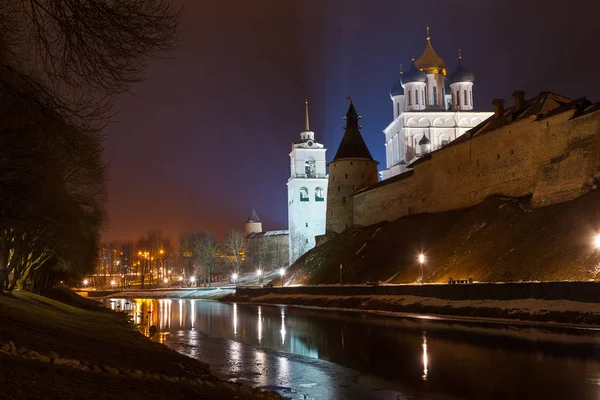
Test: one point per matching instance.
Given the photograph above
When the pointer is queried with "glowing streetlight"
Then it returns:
(193, 279)
(597, 241)
(113, 283)
(234, 276)
(259, 272)
(85, 282)
(166, 280)
(281, 273)
(422, 261)
(180, 278)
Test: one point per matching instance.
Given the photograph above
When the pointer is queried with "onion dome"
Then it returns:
(397, 89)
(413, 75)
(461, 74)
(424, 140)
(429, 61)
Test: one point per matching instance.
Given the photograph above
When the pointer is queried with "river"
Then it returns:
(320, 354)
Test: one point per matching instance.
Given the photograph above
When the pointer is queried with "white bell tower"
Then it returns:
(307, 192)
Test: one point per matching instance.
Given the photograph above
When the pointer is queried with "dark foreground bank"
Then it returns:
(76, 349)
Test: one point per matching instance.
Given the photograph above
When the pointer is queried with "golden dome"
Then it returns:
(429, 61)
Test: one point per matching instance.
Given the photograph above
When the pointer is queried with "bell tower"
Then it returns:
(307, 192)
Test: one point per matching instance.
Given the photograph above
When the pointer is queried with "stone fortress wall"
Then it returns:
(555, 158)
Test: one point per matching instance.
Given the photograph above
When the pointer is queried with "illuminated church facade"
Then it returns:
(307, 192)
(431, 109)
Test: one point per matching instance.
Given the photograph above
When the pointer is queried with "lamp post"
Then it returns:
(281, 273)
(597, 241)
(193, 279)
(85, 283)
(422, 261)
(259, 274)
(234, 277)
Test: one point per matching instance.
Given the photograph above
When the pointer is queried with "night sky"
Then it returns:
(207, 136)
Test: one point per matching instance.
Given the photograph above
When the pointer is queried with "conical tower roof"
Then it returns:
(253, 216)
(353, 145)
(429, 61)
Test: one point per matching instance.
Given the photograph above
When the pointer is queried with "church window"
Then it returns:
(416, 97)
(398, 108)
(458, 98)
(444, 142)
(471, 94)
(309, 167)
(424, 97)
(466, 99)
(307, 224)
(319, 194)
(435, 99)
(409, 99)
(306, 241)
(304, 194)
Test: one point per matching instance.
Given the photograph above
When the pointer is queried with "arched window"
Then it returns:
(466, 98)
(304, 194)
(309, 167)
(471, 95)
(458, 98)
(409, 99)
(435, 99)
(416, 97)
(319, 194)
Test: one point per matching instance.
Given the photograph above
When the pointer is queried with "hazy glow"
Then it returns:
(85, 281)
(282, 271)
(597, 241)
(166, 280)
(180, 278)
(234, 276)
(421, 258)
(259, 272)
(425, 359)
(193, 279)
(112, 282)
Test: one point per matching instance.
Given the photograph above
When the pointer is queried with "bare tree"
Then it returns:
(235, 245)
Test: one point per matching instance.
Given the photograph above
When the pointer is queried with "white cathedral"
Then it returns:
(307, 192)
(430, 110)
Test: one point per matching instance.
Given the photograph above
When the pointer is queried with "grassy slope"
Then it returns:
(100, 337)
(497, 240)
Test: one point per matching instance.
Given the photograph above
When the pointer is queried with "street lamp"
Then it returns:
(597, 241)
(234, 277)
(422, 261)
(281, 273)
(85, 282)
(112, 283)
(193, 279)
(259, 274)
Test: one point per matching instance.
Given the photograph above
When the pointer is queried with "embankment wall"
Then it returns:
(554, 159)
(574, 291)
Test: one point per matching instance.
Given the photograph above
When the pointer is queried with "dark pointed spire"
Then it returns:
(352, 145)
(253, 216)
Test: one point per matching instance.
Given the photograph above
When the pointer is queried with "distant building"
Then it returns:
(431, 110)
(307, 193)
(265, 250)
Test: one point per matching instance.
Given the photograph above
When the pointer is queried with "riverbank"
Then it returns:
(563, 312)
(80, 350)
(171, 293)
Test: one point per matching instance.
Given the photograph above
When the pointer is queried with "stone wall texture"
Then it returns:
(554, 159)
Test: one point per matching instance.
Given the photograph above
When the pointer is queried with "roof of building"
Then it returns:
(253, 217)
(460, 74)
(397, 89)
(255, 235)
(353, 144)
(414, 74)
(429, 60)
(424, 140)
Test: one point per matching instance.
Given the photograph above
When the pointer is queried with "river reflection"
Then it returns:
(409, 358)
